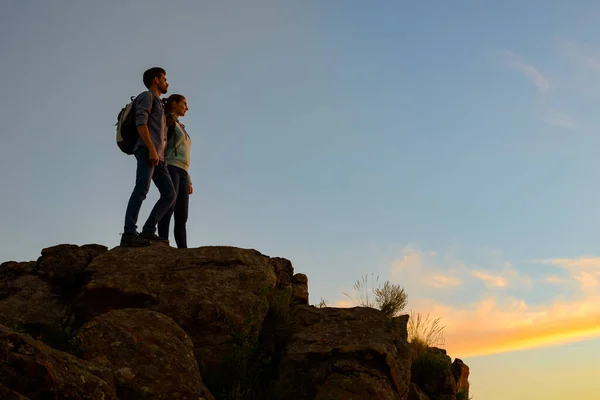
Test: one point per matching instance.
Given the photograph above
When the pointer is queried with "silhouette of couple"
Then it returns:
(163, 156)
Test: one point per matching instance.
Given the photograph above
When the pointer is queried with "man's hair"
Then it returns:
(150, 74)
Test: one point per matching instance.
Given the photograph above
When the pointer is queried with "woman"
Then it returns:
(177, 158)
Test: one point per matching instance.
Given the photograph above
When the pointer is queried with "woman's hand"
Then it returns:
(190, 188)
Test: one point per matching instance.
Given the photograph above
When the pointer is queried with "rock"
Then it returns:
(446, 386)
(9, 394)
(432, 371)
(300, 289)
(283, 270)
(63, 265)
(219, 295)
(354, 353)
(161, 321)
(35, 297)
(37, 371)
(438, 350)
(12, 269)
(415, 393)
(461, 375)
(150, 355)
(27, 304)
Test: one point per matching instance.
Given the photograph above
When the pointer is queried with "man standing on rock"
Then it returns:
(150, 154)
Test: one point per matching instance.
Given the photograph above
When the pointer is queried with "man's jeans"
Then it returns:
(181, 183)
(146, 172)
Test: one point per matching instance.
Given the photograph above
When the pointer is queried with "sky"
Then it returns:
(448, 147)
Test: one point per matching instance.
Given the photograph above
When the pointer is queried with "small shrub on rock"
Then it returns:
(425, 331)
(391, 299)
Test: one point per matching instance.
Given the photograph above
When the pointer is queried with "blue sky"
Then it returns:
(450, 148)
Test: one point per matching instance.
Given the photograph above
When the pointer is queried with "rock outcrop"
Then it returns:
(415, 393)
(213, 322)
(354, 353)
(461, 376)
(436, 378)
(36, 297)
(216, 294)
(151, 356)
(32, 369)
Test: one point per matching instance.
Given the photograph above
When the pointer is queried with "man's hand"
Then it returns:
(153, 156)
(191, 189)
(145, 136)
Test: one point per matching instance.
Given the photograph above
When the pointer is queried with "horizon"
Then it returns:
(449, 149)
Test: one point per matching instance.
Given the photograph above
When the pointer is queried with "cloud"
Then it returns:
(536, 77)
(495, 281)
(441, 281)
(499, 324)
(583, 55)
(490, 318)
(488, 327)
(554, 279)
(560, 120)
(344, 303)
(584, 270)
(509, 276)
(422, 269)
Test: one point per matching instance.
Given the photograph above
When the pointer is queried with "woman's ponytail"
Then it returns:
(168, 104)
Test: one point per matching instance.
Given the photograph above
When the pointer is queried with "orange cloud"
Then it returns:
(496, 281)
(489, 328)
(584, 270)
(509, 276)
(499, 323)
(344, 303)
(422, 269)
(554, 279)
(440, 281)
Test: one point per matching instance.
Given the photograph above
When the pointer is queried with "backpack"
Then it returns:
(127, 133)
(126, 130)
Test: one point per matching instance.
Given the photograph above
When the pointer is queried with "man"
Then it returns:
(150, 154)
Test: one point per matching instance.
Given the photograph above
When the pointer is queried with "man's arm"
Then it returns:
(142, 112)
(145, 136)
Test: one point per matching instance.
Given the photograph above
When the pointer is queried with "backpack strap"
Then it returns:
(171, 135)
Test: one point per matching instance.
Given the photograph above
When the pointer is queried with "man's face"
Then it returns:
(161, 83)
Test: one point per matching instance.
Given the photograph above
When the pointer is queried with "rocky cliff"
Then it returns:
(85, 322)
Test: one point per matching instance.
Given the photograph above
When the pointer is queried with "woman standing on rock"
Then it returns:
(177, 158)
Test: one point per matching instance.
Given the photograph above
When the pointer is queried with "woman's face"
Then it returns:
(180, 107)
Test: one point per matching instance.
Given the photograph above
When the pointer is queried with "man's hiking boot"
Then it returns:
(133, 240)
(153, 237)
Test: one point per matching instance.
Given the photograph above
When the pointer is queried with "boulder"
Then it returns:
(300, 289)
(36, 296)
(446, 388)
(346, 353)
(12, 269)
(432, 371)
(219, 295)
(9, 394)
(35, 370)
(461, 375)
(415, 393)
(150, 356)
(160, 322)
(64, 264)
(27, 304)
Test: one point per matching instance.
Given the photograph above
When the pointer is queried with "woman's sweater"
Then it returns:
(179, 144)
